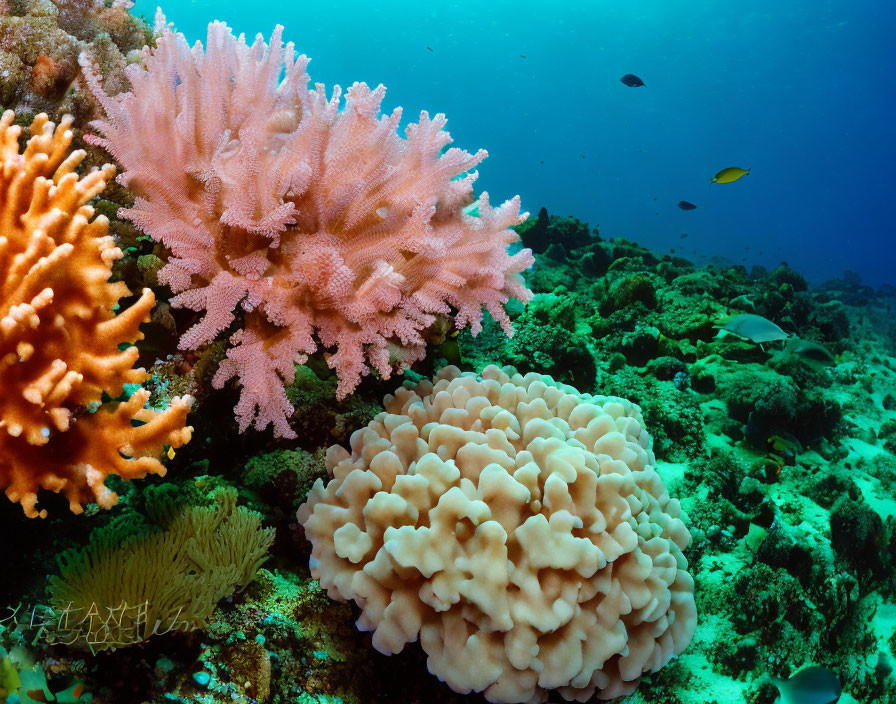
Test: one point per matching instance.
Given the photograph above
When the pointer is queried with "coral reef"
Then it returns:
(60, 335)
(522, 530)
(24, 681)
(319, 226)
(40, 41)
(514, 525)
(555, 236)
(791, 512)
(790, 468)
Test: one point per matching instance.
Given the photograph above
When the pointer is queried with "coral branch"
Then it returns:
(60, 336)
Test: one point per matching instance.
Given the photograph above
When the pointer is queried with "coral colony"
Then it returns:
(321, 227)
(60, 335)
(514, 525)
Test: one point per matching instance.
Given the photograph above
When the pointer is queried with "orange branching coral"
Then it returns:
(60, 334)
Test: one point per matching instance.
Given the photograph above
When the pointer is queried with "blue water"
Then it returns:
(801, 91)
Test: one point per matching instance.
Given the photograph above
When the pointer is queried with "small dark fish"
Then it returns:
(583, 156)
(684, 205)
(632, 81)
(522, 56)
(672, 250)
(542, 161)
(683, 235)
(429, 47)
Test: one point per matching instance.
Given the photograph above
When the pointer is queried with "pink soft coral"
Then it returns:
(324, 225)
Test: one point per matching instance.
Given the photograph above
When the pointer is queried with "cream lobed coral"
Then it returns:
(306, 225)
(514, 525)
(60, 335)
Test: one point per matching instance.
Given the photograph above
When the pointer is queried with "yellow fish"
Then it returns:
(170, 453)
(780, 444)
(729, 175)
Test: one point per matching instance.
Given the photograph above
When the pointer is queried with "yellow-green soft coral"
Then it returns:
(125, 587)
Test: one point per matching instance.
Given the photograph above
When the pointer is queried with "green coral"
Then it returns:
(319, 418)
(283, 478)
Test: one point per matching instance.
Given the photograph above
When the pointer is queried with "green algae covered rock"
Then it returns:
(543, 231)
(638, 288)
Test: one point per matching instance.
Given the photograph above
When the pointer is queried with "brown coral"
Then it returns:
(45, 75)
(60, 335)
(516, 527)
(39, 45)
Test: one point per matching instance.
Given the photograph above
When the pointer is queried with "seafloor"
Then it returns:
(793, 548)
(787, 473)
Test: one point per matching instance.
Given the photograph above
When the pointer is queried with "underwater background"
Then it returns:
(801, 92)
(290, 414)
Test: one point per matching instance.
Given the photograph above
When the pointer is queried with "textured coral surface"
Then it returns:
(517, 527)
(304, 225)
(40, 41)
(60, 335)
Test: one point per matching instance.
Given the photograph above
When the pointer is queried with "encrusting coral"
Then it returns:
(60, 336)
(328, 229)
(40, 41)
(514, 525)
